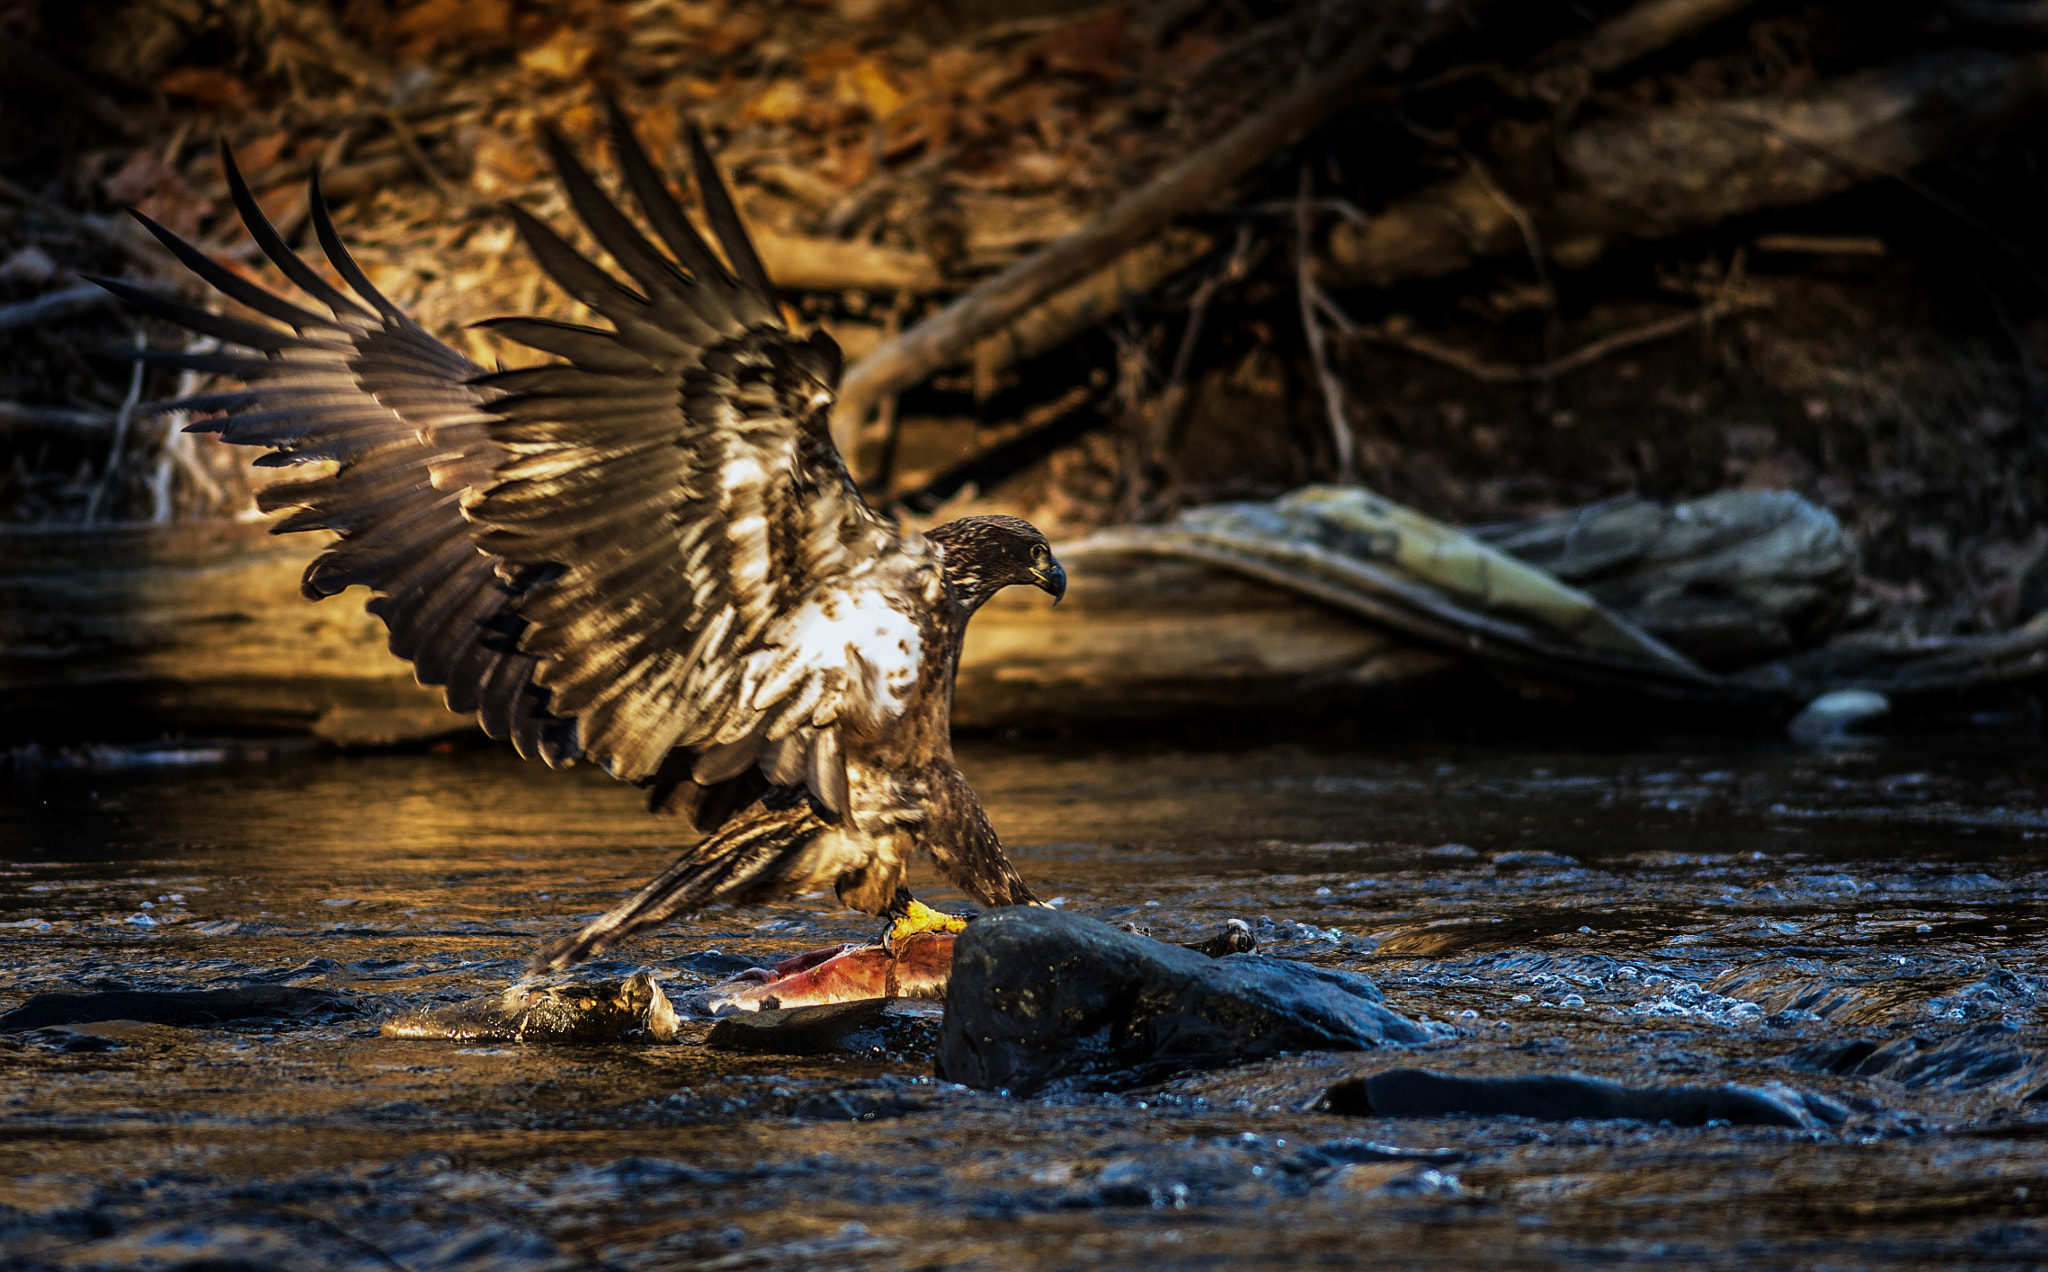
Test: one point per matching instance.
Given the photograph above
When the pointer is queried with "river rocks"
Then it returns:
(1833, 717)
(1042, 1000)
(1563, 1097)
(1994, 1056)
(794, 1031)
(182, 1007)
(583, 1013)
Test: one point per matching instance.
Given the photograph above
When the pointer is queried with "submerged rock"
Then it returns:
(1234, 937)
(794, 1031)
(1993, 1056)
(586, 1013)
(181, 1007)
(1045, 1000)
(1833, 717)
(1563, 1097)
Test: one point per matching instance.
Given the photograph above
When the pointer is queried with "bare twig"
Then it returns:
(1165, 421)
(1163, 424)
(22, 415)
(447, 189)
(121, 418)
(1286, 207)
(1553, 325)
(1318, 350)
(55, 306)
(177, 451)
(1578, 359)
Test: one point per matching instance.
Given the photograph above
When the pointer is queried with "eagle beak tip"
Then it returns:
(1053, 580)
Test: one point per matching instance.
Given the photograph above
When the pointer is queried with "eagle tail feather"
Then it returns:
(748, 860)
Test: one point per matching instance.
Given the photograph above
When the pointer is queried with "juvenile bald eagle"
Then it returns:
(647, 553)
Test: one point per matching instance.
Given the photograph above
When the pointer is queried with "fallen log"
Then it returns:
(1330, 600)
(124, 631)
(1658, 174)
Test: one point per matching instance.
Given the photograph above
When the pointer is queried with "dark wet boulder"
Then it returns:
(196, 1007)
(1042, 1000)
(1564, 1097)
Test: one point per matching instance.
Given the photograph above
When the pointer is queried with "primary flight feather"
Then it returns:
(647, 553)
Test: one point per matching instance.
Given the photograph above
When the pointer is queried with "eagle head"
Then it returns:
(984, 555)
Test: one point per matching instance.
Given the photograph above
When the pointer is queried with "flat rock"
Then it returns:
(106, 1035)
(584, 1013)
(1993, 1056)
(1564, 1097)
(1042, 1000)
(181, 1007)
(794, 1031)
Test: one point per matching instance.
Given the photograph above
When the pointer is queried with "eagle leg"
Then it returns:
(912, 917)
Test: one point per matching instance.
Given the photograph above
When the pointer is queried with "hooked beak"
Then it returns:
(1053, 579)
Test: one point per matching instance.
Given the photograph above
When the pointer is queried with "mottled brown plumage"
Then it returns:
(647, 552)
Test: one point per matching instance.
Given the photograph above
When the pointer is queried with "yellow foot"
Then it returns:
(918, 917)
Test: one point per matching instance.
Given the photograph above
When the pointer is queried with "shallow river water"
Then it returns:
(1687, 914)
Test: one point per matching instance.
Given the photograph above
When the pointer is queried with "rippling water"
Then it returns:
(1693, 914)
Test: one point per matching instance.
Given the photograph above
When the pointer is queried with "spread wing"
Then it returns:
(722, 590)
(399, 415)
(647, 552)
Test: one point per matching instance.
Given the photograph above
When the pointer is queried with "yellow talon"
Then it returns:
(918, 917)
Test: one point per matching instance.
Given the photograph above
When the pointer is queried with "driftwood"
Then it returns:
(1730, 580)
(1675, 170)
(1185, 185)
